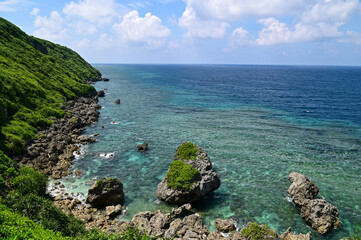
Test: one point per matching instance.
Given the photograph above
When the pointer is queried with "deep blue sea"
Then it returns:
(257, 123)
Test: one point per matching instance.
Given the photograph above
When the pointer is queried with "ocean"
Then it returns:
(257, 124)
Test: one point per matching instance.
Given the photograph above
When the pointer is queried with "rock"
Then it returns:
(160, 220)
(204, 181)
(78, 173)
(322, 215)
(105, 79)
(101, 93)
(288, 235)
(225, 226)
(181, 210)
(141, 220)
(113, 211)
(105, 192)
(301, 188)
(117, 101)
(143, 147)
(215, 235)
(255, 231)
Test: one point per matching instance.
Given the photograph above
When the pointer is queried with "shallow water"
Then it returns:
(257, 123)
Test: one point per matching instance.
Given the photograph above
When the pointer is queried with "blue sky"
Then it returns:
(302, 32)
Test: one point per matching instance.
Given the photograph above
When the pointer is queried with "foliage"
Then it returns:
(36, 77)
(30, 181)
(187, 151)
(15, 226)
(254, 231)
(106, 182)
(181, 176)
(355, 236)
(7, 170)
(43, 211)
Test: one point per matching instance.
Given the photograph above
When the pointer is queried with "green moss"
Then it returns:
(181, 176)
(187, 151)
(254, 231)
(106, 182)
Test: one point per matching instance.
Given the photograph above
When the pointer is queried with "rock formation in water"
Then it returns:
(322, 215)
(190, 176)
(106, 192)
(143, 147)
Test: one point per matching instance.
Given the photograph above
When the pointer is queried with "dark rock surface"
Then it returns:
(143, 147)
(105, 192)
(51, 151)
(101, 93)
(205, 184)
(117, 101)
(301, 188)
(322, 215)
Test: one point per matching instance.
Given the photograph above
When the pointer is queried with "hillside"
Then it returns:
(36, 78)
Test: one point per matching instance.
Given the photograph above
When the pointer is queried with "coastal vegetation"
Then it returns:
(181, 176)
(187, 151)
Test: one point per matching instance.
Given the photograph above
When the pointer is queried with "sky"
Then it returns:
(278, 32)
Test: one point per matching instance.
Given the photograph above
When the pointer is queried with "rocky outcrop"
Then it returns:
(143, 147)
(322, 215)
(117, 101)
(106, 192)
(288, 235)
(101, 93)
(113, 211)
(301, 188)
(204, 182)
(224, 226)
(51, 151)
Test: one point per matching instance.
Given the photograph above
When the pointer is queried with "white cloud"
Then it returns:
(351, 37)
(320, 21)
(148, 29)
(237, 9)
(12, 5)
(50, 28)
(201, 28)
(35, 11)
(99, 11)
(239, 37)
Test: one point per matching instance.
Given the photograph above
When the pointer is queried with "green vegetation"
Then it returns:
(181, 176)
(355, 236)
(36, 78)
(107, 182)
(254, 231)
(187, 151)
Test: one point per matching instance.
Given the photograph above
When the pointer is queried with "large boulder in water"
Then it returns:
(301, 188)
(322, 215)
(189, 177)
(106, 192)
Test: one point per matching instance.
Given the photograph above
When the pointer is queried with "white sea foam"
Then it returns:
(107, 155)
(288, 198)
(114, 122)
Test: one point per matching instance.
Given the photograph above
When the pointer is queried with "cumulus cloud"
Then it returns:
(320, 21)
(240, 37)
(147, 29)
(50, 28)
(84, 28)
(99, 11)
(35, 11)
(201, 28)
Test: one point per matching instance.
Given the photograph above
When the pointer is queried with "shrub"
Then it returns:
(254, 231)
(187, 151)
(181, 176)
(30, 181)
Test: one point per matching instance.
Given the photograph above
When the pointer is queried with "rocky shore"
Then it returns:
(51, 151)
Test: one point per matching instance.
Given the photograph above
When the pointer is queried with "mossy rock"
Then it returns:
(253, 231)
(181, 176)
(187, 151)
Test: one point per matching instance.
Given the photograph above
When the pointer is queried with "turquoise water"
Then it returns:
(257, 123)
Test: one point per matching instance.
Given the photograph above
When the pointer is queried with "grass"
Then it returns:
(254, 231)
(187, 151)
(181, 176)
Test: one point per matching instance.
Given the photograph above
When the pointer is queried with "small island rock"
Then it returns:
(301, 188)
(224, 226)
(105, 192)
(143, 147)
(322, 215)
(117, 101)
(190, 176)
(101, 93)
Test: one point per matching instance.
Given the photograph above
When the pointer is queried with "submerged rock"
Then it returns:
(190, 176)
(105, 192)
(301, 188)
(322, 215)
(288, 235)
(143, 147)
